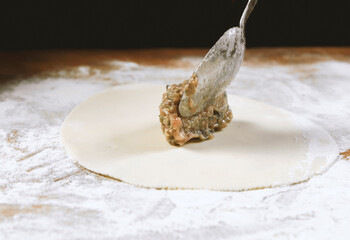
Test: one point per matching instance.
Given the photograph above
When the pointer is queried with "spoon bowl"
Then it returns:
(218, 68)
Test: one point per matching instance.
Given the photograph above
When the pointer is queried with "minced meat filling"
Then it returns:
(177, 129)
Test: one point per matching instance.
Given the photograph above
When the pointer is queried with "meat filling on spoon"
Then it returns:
(178, 129)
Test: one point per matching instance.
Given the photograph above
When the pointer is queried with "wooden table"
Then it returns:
(44, 195)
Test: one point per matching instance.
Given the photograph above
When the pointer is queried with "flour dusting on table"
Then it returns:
(43, 195)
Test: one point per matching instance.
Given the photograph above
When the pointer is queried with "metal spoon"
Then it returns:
(219, 67)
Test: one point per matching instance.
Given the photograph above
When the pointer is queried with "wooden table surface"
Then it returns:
(29, 63)
(44, 195)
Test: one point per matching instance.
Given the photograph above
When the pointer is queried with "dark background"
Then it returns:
(157, 24)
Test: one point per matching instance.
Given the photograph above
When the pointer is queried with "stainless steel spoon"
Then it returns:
(219, 67)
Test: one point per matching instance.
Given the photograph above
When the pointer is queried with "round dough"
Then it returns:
(117, 133)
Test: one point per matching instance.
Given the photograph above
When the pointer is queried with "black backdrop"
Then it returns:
(31, 24)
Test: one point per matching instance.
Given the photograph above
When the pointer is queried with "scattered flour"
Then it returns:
(43, 195)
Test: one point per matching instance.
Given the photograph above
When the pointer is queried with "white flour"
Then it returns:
(43, 195)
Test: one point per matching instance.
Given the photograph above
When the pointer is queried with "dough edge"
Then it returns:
(304, 123)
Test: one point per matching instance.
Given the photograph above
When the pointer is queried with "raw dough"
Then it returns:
(117, 133)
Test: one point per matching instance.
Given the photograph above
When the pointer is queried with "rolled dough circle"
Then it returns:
(117, 133)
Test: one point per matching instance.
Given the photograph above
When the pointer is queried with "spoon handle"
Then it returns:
(247, 11)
